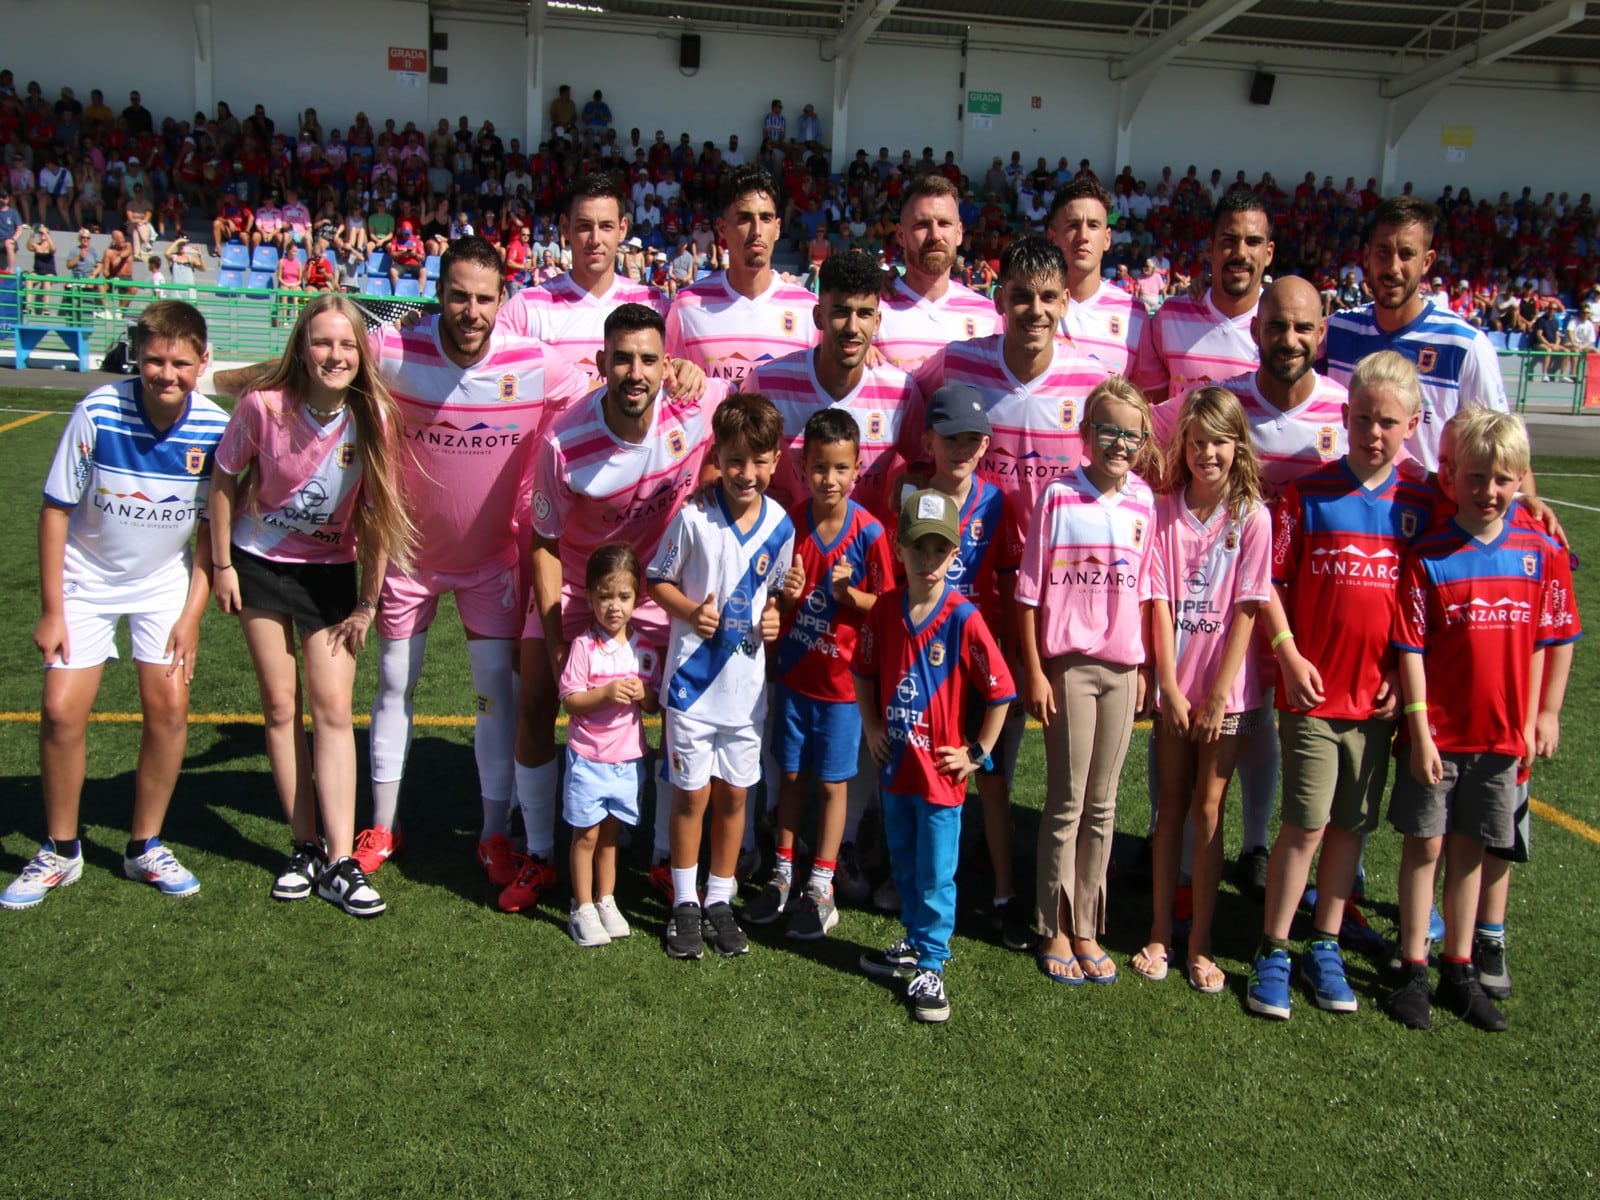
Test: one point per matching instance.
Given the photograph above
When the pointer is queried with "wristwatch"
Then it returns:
(979, 756)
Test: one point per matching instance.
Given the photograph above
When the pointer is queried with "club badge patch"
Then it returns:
(195, 460)
(508, 387)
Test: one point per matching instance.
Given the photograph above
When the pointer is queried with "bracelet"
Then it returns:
(369, 605)
(1282, 637)
(222, 566)
(1417, 706)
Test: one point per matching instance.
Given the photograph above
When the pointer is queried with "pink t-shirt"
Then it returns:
(306, 480)
(728, 335)
(612, 733)
(886, 406)
(1034, 424)
(471, 433)
(566, 317)
(1113, 328)
(913, 328)
(1197, 345)
(1086, 568)
(1204, 570)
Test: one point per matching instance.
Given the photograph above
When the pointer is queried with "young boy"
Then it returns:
(841, 566)
(1340, 534)
(105, 551)
(1474, 601)
(921, 649)
(717, 573)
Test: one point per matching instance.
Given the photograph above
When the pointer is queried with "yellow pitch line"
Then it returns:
(1570, 823)
(38, 416)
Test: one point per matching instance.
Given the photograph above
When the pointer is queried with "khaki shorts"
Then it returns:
(1334, 771)
(1477, 798)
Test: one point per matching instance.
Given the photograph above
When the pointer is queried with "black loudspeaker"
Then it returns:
(689, 52)
(439, 41)
(1261, 88)
(439, 75)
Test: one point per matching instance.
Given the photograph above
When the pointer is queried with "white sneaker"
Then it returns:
(583, 923)
(158, 866)
(45, 871)
(611, 917)
(345, 884)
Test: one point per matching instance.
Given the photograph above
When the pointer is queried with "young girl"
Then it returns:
(315, 450)
(1082, 588)
(612, 676)
(1213, 544)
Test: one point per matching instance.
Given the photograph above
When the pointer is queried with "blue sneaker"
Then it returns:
(158, 866)
(1435, 925)
(1357, 934)
(44, 871)
(1269, 986)
(1323, 970)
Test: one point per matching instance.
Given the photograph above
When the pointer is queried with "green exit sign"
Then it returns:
(984, 102)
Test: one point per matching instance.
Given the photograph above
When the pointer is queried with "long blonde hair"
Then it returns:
(1218, 414)
(382, 514)
(1146, 461)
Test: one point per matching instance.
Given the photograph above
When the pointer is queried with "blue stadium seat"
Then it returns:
(235, 257)
(376, 285)
(260, 279)
(431, 266)
(430, 290)
(407, 287)
(1497, 339)
(265, 259)
(230, 277)
(378, 262)
(332, 259)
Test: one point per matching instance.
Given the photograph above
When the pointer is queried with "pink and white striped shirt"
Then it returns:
(1086, 568)
(1197, 345)
(591, 486)
(914, 328)
(1114, 328)
(885, 404)
(564, 316)
(470, 433)
(1034, 424)
(728, 335)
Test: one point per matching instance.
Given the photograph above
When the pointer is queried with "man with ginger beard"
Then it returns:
(925, 310)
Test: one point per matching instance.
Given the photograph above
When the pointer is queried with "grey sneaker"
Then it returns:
(771, 904)
(898, 961)
(1489, 957)
(611, 918)
(584, 927)
(927, 996)
(684, 939)
(720, 929)
(814, 916)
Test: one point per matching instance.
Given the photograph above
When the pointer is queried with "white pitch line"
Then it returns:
(53, 412)
(1561, 475)
(1569, 504)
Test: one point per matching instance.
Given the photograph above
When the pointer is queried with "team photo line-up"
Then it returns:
(846, 544)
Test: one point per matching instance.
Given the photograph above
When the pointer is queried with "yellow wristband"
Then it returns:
(1282, 637)
(1419, 706)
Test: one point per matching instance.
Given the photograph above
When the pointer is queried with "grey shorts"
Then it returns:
(1334, 771)
(1477, 798)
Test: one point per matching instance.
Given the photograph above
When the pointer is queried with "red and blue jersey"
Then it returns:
(1337, 548)
(1477, 611)
(991, 546)
(817, 637)
(921, 676)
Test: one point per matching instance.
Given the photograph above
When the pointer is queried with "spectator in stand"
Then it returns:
(136, 215)
(1545, 337)
(55, 188)
(596, 118)
(810, 127)
(184, 262)
(137, 117)
(10, 226)
(234, 223)
(406, 257)
(116, 268)
(563, 110)
(268, 229)
(23, 185)
(775, 127)
(319, 275)
(380, 228)
(296, 220)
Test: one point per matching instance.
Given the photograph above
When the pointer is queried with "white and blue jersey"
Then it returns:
(1455, 361)
(136, 493)
(721, 680)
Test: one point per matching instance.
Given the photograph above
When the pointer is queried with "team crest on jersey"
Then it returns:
(347, 454)
(508, 387)
(936, 654)
(1327, 441)
(483, 705)
(1408, 524)
(1427, 358)
(1069, 413)
(195, 460)
(1530, 565)
(1116, 326)
(1138, 533)
(763, 561)
(647, 662)
(788, 321)
(975, 528)
(972, 328)
(1230, 541)
(875, 427)
(676, 444)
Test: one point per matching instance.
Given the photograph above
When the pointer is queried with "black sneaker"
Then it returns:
(344, 883)
(927, 998)
(299, 874)
(718, 927)
(1409, 1004)
(1461, 993)
(1011, 922)
(770, 904)
(814, 916)
(1250, 873)
(898, 961)
(1489, 957)
(684, 939)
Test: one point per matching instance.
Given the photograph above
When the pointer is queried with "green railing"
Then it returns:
(1554, 379)
(245, 324)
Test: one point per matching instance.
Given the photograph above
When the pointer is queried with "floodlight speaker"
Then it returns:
(1261, 87)
(689, 52)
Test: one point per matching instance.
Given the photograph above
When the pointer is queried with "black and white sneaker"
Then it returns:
(898, 961)
(1489, 957)
(684, 937)
(344, 883)
(814, 916)
(720, 929)
(927, 997)
(299, 874)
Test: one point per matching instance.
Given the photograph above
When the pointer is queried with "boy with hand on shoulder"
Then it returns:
(924, 653)
(1474, 596)
(104, 553)
(1339, 534)
(841, 566)
(717, 574)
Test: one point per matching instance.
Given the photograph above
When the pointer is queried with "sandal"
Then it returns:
(1205, 976)
(1062, 978)
(1151, 966)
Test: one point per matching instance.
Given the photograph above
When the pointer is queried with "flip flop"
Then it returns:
(1066, 980)
(1196, 974)
(1085, 962)
(1154, 975)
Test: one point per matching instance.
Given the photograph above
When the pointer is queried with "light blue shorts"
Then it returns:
(594, 791)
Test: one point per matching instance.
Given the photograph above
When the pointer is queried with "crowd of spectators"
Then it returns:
(359, 187)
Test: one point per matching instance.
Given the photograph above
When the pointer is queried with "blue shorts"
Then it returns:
(820, 736)
(596, 790)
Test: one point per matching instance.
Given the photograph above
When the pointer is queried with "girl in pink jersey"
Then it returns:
(1081, 590)
(611, 678)
(314, 449)
(1209, 574)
